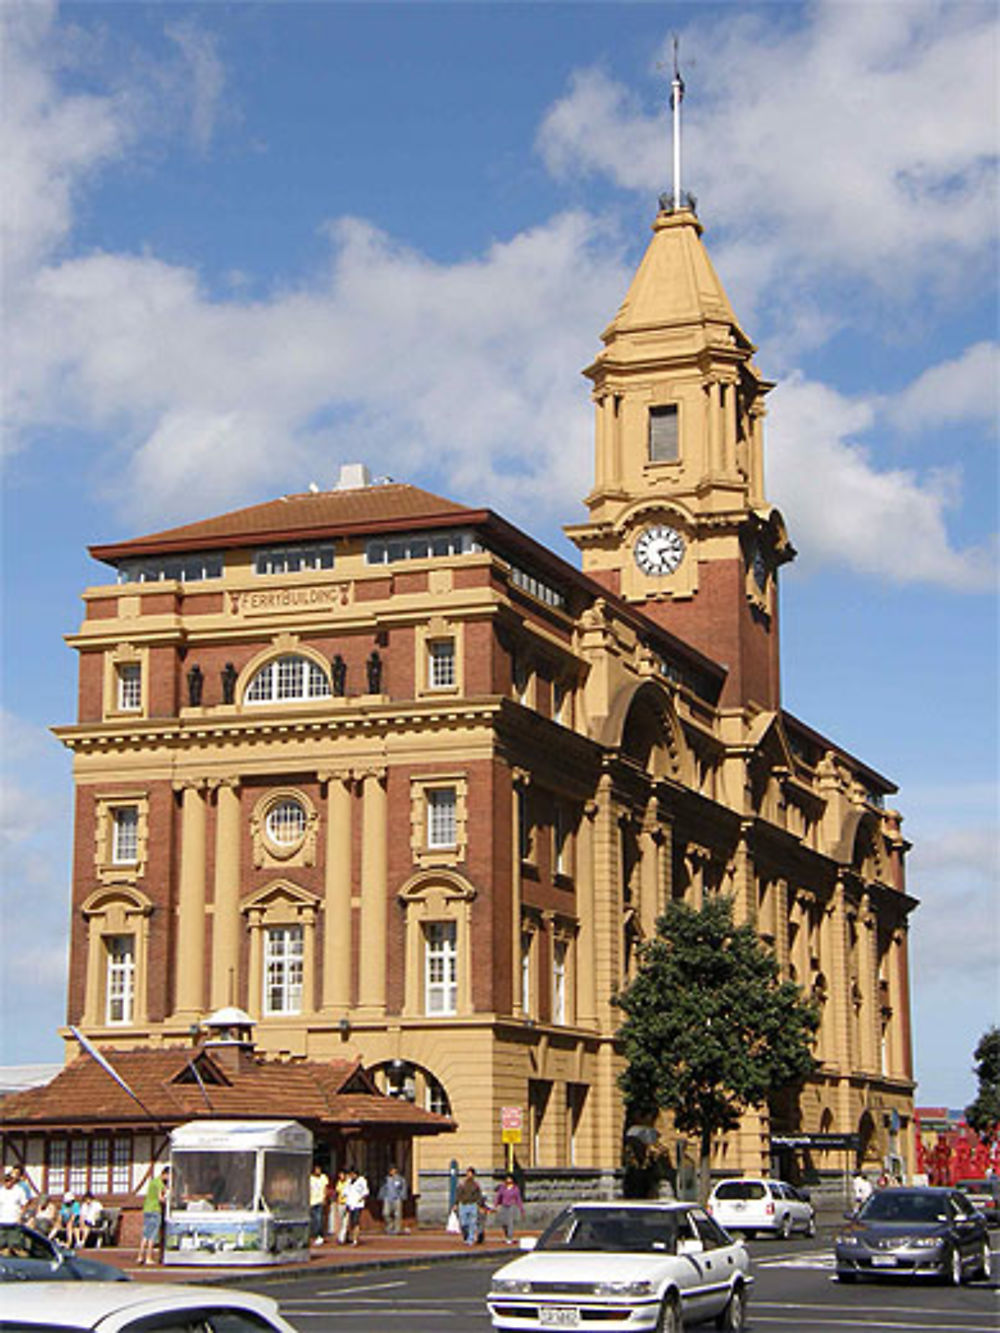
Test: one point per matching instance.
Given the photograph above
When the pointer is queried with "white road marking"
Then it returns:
(362, 1286)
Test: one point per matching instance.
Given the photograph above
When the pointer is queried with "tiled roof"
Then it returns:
(318, 1093)
(310, 516)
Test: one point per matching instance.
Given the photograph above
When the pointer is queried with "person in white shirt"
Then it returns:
(11, 1199)
(356, 1195)
(90, 1217)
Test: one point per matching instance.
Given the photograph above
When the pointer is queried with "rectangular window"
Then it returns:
(559, 981)
(55, 1183)
(560, 695)
(119, 979)
(121, 1166)
(78, 1166)
(125, 835)
(283, 968)
(129, 687)
(664, 444)
(441, 664)
(440, 968)
(293, 559)
(100, 1176)
(441, 826)
(560, 841)
(524, 826)
(526, 987)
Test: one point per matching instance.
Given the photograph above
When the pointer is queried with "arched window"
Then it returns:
(287, 680)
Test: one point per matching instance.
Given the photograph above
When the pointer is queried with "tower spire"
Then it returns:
(676, 97)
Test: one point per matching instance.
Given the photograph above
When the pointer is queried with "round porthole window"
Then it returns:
(286, 823)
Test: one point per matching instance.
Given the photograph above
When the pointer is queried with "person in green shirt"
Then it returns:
(152, 1216)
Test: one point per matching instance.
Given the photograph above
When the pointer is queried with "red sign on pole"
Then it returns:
(511, 1117)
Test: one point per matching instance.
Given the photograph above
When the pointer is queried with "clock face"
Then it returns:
(659, 550)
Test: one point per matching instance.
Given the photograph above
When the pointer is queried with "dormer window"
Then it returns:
(664, 437)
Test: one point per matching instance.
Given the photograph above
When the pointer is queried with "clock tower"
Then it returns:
(678, 520)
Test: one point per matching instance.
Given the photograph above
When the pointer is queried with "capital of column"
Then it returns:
(327, 775)
(190, 784)
(227, 784)
(521, 777)
(372, 770)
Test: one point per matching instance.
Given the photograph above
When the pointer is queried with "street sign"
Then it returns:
(510, 1136)
(512, 1117)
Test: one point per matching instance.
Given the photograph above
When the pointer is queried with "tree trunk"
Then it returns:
(705, 1165)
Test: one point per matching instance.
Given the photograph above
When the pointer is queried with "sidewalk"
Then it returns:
(375, 1250)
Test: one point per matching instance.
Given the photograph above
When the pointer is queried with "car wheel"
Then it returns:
(982, 1269)
(811, 1226)
(749, 1233)
(785, 1226)
(846, 1277)
(953, 1268)
(734, 1317)
(670, 1320)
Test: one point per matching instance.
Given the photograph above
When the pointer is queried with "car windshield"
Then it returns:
(638, 1229)
(897, 1206)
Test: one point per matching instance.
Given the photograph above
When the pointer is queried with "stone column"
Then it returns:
(715, 461)
(92, 1015)
(337, 977)
(225, 979)
(607, 904)
(729, 428)
(374, 892)
(869, 1018)
(838, 979)
(586, 969)
(189, 957)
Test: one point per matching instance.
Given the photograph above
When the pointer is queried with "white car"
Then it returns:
(749, 1206)
(136, 1307)
(620, 1267)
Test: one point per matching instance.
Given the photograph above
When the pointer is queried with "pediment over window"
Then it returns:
(124, 898)
(437, 891)
(281, 901)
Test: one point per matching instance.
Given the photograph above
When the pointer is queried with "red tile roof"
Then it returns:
(306, 517)
(320, 1094)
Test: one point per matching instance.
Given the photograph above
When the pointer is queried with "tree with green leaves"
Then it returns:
(983, 1115)
(710, 1029)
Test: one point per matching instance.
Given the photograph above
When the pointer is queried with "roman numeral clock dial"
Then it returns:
(659, 550)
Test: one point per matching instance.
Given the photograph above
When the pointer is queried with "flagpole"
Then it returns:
(90, 1049)
(676, 97)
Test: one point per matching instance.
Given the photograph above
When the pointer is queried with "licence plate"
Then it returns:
(883, 1261)
(559, 1316)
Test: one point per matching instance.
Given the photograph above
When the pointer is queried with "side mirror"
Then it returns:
(690, 1247)
(527, 1243)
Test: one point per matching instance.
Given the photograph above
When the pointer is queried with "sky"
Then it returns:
(246, 243)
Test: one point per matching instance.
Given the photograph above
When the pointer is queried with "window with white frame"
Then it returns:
(129, 687)
(526, 986)
(78, 1167)
(440, 968)
(293, 559)
(285, 823)
(441, 822)
(288, 679)
(125, 835)
(119, 979)
(121, 1166)
(441, 664)
(283, 969)
(100, 1166)
(524, 826)
(55, 1171)
(559, 949)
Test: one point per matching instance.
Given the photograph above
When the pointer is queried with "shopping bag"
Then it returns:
(453, 1226)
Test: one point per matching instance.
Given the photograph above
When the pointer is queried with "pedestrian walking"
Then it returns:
(469, 1199)
(508, 1202)
(319, 1183)
(355, 1197)
(392, 1195)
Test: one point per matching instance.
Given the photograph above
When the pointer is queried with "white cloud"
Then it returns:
(889, 523)
(856, 141)
(963, 390)
(204, 75)
(467, 372)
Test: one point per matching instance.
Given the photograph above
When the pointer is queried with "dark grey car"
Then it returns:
(912, 1231)
(27, 1255)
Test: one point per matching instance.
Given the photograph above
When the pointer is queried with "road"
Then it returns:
(794, 1289)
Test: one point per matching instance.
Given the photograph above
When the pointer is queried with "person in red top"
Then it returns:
(508, 1201)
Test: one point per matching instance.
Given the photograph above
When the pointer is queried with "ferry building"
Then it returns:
(408, 788)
